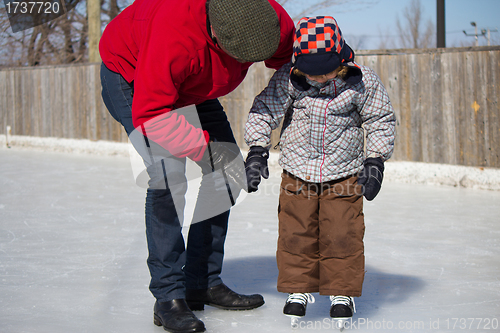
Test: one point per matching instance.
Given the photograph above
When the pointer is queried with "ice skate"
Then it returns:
(295, 306)
(341, 310)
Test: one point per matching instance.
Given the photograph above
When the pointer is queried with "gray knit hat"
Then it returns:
(247, 29)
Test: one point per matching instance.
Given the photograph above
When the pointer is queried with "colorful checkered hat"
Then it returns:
(319, 47)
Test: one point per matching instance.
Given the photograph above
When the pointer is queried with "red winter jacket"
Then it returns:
(163, 46)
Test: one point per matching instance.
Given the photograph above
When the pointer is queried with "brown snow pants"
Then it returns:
(320, 243)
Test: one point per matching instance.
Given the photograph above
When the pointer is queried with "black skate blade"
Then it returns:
(294, 320)
(340, 322)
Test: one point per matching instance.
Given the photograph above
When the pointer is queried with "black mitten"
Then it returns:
(371, 177)
(256, 166)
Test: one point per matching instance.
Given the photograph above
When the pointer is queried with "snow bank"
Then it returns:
(435, 174)
(406, 172)
(80, 146)
(442, 174)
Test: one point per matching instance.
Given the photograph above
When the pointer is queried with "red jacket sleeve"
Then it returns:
(165, 64)
(161, 68)
(285, 49)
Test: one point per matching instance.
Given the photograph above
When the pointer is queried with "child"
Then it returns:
(325, 99)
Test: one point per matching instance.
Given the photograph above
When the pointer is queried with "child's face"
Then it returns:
(325, 77)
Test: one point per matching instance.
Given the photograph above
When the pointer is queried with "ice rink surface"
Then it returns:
(73, 255)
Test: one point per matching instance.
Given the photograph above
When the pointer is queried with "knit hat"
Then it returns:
(248, 29)
(319, 48)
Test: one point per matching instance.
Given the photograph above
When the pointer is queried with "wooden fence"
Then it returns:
(446, 102)
(56, 101)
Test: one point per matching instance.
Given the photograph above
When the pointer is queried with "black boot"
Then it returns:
(222, 297)
(176, 317)
(296, 304)
(342, 307)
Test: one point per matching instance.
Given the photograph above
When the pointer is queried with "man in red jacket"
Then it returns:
(160, 56)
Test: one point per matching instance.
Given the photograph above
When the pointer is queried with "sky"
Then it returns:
(373, 18)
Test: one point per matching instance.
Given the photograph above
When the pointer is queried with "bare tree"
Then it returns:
(300, 8)
(386, 39)
(356, 42)
(60, 41)
(412, 31)
(52, 42)
(495, 39)
(64, 40)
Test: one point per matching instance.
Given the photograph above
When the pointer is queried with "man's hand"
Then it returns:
(220, 154)
(256, 166)
(226, 157)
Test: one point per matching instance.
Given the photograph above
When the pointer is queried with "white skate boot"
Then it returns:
(295, 306)
(341, 310)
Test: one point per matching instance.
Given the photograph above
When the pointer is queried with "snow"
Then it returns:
(403, 172)
(73, 249)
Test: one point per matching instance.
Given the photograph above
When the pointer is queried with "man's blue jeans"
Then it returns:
(173, 266)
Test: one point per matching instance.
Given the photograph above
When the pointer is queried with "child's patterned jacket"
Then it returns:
(322, 137)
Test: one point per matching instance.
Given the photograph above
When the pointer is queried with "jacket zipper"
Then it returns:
(324, 133)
